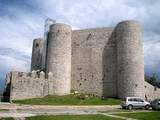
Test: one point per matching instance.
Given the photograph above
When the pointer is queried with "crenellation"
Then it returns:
(50, 76)
(106, 61)
(28, 85)
(34, 74)
(42, 75)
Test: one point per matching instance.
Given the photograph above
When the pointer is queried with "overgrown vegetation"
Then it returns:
(72, 117)
(142, 115)
(153, 80)
(73, 99)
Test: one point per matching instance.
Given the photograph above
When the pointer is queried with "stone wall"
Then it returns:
(93, 61)
(151, 92)
(102, 61)
(27, 85)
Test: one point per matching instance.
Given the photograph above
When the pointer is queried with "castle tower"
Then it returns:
(59, 58)
(48, 23)
(130, 62)
(36, 62)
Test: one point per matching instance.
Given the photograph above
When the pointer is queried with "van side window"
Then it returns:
(139, 100)
(129, 99)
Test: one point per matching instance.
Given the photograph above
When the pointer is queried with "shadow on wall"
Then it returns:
(6, 94)
(109, 68)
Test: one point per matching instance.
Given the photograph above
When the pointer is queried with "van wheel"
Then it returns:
(130, 107)
(147, 107)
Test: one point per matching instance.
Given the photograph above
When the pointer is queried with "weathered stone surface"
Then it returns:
(151, 92)
(59, 58)
(36, 62)
(130, 61)
(48, 23)
(93, 61)
(102, 61)
(25, 85)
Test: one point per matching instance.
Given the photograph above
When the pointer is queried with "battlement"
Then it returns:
(22, 85)
(29, 75)
(27, 85)
(105, 61)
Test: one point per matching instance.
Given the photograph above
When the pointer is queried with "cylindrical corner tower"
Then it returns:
(48, 23)
(130, 60)
(59, 58)
(36, 62)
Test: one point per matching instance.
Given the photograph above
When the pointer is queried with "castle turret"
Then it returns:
(48, 23)
(130, 62)
(59, 58)
(36, 62)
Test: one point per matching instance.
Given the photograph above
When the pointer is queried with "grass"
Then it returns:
(114, 110)
(72, 117)
(6, 119)
(4, 110)
(68, 100)
(142, 115)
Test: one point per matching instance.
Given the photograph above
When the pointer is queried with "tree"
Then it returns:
(153, 80)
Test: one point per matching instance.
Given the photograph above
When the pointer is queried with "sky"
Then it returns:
(23, 20)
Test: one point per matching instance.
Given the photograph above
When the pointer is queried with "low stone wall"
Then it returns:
(21, 85)
(27, 85)
(152, 92)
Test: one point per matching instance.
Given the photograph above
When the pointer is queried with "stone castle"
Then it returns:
(102, 61)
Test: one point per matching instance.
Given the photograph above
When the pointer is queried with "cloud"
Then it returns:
(23, 20)
(10, 62)
(99, 13)
(19, 26)
(13, 64)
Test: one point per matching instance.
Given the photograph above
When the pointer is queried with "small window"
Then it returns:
(89, 36)
(37, 45)
(155, 88)
(20, 74)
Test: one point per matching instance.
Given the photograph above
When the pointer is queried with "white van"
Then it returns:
(134, 102)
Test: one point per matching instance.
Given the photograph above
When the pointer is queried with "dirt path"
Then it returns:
(22, 111)
(19, 112)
